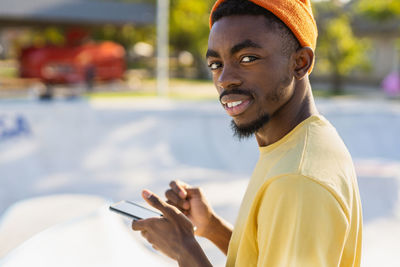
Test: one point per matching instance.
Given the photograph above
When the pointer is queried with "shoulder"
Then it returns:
(312, 159)
(327, 162)
(324, 151)
(308, 150)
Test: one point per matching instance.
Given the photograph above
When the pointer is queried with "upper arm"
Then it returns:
(300, 223)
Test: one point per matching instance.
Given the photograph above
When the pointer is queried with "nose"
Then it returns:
(228, 78)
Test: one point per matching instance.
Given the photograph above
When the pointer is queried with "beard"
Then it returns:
(247, 130)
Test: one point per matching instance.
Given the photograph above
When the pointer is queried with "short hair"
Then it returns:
(245, 7)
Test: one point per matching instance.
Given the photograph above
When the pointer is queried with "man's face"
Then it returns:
(250, 71)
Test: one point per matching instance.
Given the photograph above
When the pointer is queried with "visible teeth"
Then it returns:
(233, 104)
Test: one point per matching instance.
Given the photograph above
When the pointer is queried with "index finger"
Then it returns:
(166, 209)
(179, 188)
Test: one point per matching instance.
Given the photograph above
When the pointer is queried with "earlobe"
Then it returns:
(304, 58)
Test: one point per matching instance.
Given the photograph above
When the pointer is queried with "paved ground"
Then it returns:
(114, 148)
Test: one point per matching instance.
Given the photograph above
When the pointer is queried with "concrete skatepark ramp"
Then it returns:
(115, 148)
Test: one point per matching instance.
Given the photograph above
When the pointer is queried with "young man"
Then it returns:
(302, 205)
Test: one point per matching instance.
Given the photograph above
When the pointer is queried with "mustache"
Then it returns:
(235, 91)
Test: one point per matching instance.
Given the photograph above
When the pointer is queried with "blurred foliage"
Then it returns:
(189, 30)
(126, 35)
(54, 35)
(42, 36)
(341, 47)
(153, 2)
(338, 51)
(35, 37)
(379, 9)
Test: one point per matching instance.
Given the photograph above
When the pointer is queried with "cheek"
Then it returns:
(281, 91)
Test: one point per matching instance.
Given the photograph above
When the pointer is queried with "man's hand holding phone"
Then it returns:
(172, 234)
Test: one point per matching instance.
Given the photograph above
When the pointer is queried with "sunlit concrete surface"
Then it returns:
(87, 234)
(115, 148)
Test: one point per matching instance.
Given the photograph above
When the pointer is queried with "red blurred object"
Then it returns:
(73, 64)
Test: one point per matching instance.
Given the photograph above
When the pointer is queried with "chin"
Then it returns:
(246, 130)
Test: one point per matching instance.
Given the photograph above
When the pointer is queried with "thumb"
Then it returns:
(194, 192)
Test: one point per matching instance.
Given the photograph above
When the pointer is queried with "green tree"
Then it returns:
(189, 30)
(338, 50)
(382, 12)
(379, 9)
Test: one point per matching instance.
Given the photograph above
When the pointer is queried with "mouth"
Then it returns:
(235, 104)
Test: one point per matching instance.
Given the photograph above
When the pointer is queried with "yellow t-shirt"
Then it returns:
(302, 206)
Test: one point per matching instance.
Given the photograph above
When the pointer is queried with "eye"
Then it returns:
(247, 59)
(214, 65)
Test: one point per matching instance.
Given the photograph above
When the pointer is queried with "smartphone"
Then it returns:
(133, 210)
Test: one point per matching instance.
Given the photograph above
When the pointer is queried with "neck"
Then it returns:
(298, 108)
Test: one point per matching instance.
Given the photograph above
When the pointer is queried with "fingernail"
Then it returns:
(182, 194)
(146, 194)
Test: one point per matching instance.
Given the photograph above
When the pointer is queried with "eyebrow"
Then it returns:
(236, 48)
(245, 44)
(212, 53)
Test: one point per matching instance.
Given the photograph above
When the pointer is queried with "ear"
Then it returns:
(303, 61)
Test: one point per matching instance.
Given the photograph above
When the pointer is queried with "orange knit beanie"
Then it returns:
(296, 14)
